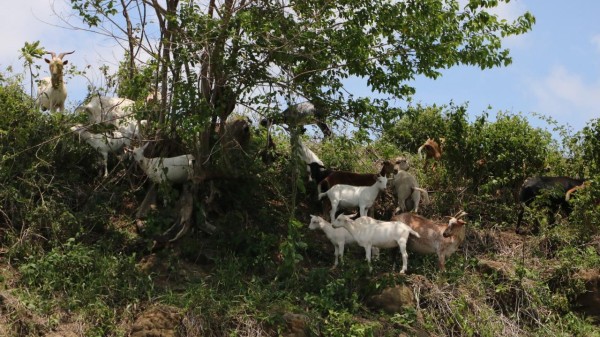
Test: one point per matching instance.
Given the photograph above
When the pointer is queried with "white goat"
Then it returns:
(109, 110)
(406, 187)
(435, 238)
(132, 128)
(339, 237)
(104, 143)
(370, 233)
(308, 157)
(174, 170)
(52, 92)
(354, 196)
(154, 97)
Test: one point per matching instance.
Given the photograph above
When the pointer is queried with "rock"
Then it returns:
(393, 300)
(296, 324)
(157, 321)
(589, 302)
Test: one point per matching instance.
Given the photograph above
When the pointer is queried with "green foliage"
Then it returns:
(84, 279)
(417, 125)
(340, 323)
(31, 52)
(511, 150)
(584, 221)
(64, 228)
(590, 143)
(290, 249)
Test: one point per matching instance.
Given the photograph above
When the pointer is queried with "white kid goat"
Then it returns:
(104, 143)
(362, 197)
(370, 233)
(339, 237)
(175, 170)
(52, 92)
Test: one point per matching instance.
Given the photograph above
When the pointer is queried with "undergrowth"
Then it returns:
(69, 236)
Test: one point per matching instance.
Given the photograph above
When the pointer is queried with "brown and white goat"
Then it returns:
(434, 238)
(52, 92)
(433, 151)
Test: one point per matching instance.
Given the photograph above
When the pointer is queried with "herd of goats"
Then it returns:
(343, 189)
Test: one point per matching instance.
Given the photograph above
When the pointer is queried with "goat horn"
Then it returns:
(60, 56)
(53, 54)
(460, 214)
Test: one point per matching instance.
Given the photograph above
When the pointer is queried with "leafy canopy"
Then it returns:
(251, 52)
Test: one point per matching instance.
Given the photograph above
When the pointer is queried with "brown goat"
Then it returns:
(351, 178)
(438, 238)
(432, 150)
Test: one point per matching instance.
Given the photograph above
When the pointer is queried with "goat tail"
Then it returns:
(413, 232)
(421, 155)
(569, 192)
(424, 195)
(321, 195)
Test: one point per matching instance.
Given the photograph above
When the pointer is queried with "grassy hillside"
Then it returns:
(73, 262)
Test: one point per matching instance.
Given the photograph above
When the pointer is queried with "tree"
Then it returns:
(213, 56)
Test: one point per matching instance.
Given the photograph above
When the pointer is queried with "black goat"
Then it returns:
(554, 188)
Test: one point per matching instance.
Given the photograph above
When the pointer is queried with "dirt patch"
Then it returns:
(67, 330)
(171, 272)
(504, 243)
(16, 319)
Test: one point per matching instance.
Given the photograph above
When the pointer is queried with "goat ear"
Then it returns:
(47, 61)
(65, 61)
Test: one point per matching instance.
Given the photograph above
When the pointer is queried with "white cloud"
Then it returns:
(567, 97)
(508, 11)
(595, 40)
(40, 20)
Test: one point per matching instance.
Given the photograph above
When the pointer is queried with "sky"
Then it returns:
(555, 70)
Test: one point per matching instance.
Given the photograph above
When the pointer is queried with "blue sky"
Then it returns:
(555, 69)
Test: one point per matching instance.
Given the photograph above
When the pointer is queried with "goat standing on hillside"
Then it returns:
(407, 189)
(104, 143)
(370, 233)
(326, 178)
(362, 197)
(339, 237)
(174, 170)
(555, 188)
(108, 110)
(308, 157)
(52, 92)
(434, 238)
(433, 151)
